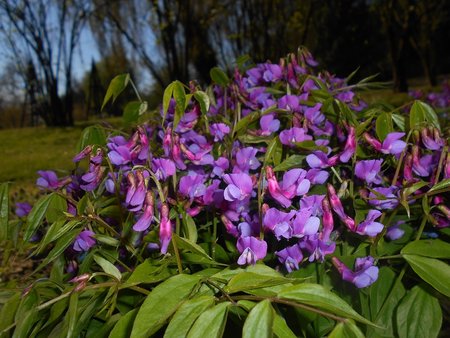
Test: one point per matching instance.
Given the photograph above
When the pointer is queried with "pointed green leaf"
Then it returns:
(384, 125)
(317, 296)
(133, 110)
(168, 92)
(123, 327)
(419, 315)
(90, 136)
(4, 211)
(431, 270)
(281, 329)
(36, 216)
(346, 329)
(72, 313)
(186, 244)
(219, 76)
(8, 311)
(245, 121)
(108, 267)
(116, 86)
(186, 315)
(422, 112)
(161, 303)
(248, 280)
(434, 248)
(293, 161)
(441, 185)
(259, 321)
(210, 323)
(180, 99)
(203, 100)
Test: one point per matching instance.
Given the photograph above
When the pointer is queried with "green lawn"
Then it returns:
(27, 150)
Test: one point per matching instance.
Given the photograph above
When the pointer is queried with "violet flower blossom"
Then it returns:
(84, 241)
(294, 183)
(220, 165)
(163, 168)
(165, 229)
(319, 160)
(82, 154)
(278, 222)
(391, 144)
(147, 217)
(192, 185)
(369, 170)
(387, 200)
(395, 232)
(136, 191)
(291, 257)
(350, 145)
(252, 249)
(289, 102)
(219, 130)
(246, 160)
(369, 227)
(269, 124)
(314, 115)
(23, 209)
(365, 272)
(291, 136)
(431, 139)
(47, 180)
(92, 178)
(305, 224)
(240, 187)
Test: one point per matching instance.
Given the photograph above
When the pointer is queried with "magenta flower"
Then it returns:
(252, 249)
(365, 272)
(291, 257)
(291, 136)
(147, 217)
(350, 145)
(165, 229)
(246, 160)
(294, 183)
(319, 160)
(220, 165)
(369, 227)
(219, 130)
(84, 241)
(304, 224)
(313, 202)
(240, 187)
(163, 168)
(431, 138)
(369, 171)
(192, 185)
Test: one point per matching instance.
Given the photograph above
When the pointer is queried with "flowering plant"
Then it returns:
(274, 202)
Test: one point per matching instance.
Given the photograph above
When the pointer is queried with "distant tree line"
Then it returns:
(184, 39)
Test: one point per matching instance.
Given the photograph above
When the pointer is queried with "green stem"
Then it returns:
(177, 256)
(422, 226)
(135, 90)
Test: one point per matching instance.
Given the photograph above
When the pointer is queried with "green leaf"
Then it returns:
(161, 303)
(434, 248)
(186, 315)
(399, 120)
(259, 321)
(133, 110)
(148, 273)
(420, 113)
(293, 161)
(4, 211)
(211, 323)
(419, 315)
(346, 329)
(384, 297)
(273, 152)
(8, 311)
(123, 327)
(433, 271)
(190, 228)
(219, 76)
(281, 329)
(248, 280)
(116, 86)
(186, 244)
(384, 125)
(56, 208)
(441, 185)
(90, 136)
(168, 92)
(244, 122)
(72, 313)
(108, 267)
(180, 99)
(204, 101)
(317, 296)
(36, 216)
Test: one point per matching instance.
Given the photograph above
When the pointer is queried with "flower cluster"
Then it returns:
(279, 157)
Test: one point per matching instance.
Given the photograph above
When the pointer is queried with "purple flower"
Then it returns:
(84, 153)
(289, 102)
(268, 124)
(219, 130)
(84, 241)
(23, 209)
(395, 232)
(47, 179)
(392, 144)
(365, 272)
(431, 139)
(252, 249)
(192, 185)
(92, 178)
(304, 224)
(369, 171)
(163, 168)
(246, 160)
(317, 176)
(314, 115)
(291, 136)
(350, 145)
(294, 183)
(384, 198)
(317, 247)
(147, 217)
(136, 191)
(313, 202)
(220, 166)
(278, 222)
(369, 227)
(290, 256)
(240, 187)
(319, 160)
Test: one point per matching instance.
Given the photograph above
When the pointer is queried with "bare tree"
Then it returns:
(46, 33)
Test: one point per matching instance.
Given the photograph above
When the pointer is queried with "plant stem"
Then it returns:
(177, 256)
